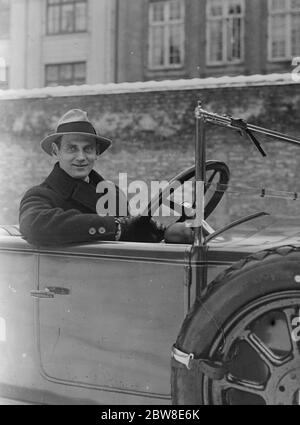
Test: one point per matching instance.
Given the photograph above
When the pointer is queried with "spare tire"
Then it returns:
(249, 319)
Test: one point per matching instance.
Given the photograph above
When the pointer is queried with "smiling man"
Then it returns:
(76, 155)
(62, 209)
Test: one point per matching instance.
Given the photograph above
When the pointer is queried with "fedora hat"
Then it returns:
(75, 121)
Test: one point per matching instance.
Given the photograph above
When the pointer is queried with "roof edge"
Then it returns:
(151, 86)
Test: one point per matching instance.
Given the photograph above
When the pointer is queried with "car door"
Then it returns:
(107, 316)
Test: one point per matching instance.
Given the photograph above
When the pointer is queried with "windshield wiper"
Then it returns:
(242, 126)
(244, 130)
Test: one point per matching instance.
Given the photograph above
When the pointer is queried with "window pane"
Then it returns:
(278, 36)
(4, 4)
(157, 44)
(3, 74)
(67, 19)
(234, 7)
(4, 18)
(80, 16)
(175, 10)
(216, 41)
(174, 45)
(66, 16)
(79, 73)
(5, 83)
(225, 25)
(234, 38)
(78, 81)
(166, 33)
(215, 7)
(158, 12)
(51, 75)
(65, 73)
(53, 19)
(295, 4)
(278, 5)
(295, 35)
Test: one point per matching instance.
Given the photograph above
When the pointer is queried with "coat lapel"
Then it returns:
(78, 190)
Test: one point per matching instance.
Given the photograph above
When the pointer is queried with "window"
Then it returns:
(66, 16)
(4, 18)
(225, 31)
(65, 74)
(166, 34)
(284, 29)
(3, 74)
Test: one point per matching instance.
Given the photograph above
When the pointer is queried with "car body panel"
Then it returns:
(117, 323)
(110, 331)
(106, 335)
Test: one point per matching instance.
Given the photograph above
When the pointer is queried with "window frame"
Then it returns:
(287, 11)
(166, 24)
(61, 4)
(225, 18)
(59, 65)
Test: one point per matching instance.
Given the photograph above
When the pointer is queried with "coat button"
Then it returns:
(92, 231)
(101, 230)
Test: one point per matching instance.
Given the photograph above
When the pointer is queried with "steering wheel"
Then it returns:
(214, 169)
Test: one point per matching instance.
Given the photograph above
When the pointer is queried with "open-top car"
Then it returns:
(216, 321)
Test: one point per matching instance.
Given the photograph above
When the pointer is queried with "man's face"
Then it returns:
(77, 155)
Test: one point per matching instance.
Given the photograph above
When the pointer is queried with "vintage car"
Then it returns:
(212, 322)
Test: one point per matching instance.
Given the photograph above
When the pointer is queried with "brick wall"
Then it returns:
(152, 128)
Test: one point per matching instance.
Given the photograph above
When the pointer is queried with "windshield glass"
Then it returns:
(269, 184)
(262, 231)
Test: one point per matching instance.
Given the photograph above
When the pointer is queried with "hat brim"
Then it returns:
(102, 142)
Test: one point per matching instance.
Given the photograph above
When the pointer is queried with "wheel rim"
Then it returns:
(263, 351)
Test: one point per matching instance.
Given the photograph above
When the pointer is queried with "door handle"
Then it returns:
(43, 293)
(58, 290)
(49, 292)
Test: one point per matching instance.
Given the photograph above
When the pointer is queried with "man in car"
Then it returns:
(62, 209)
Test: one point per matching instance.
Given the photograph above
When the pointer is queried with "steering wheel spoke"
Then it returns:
(176, 202)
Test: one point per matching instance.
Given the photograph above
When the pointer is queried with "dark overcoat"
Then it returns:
(62, 210)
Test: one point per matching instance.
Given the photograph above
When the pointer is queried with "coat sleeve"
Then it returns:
(41, 223)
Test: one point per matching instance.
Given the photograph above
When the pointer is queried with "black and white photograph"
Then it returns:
(149, 205)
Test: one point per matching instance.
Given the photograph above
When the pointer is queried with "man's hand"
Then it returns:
(140, 229)
(179, 233)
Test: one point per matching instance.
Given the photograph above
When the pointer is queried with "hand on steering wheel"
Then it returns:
(181, 233)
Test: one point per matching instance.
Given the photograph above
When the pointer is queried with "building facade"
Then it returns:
(65, 42)
(56, 42)
(206, 38)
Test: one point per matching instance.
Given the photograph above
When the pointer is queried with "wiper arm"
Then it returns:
(225, 121)
(243, 126)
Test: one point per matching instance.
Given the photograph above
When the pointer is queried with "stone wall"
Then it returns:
(152, 127)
